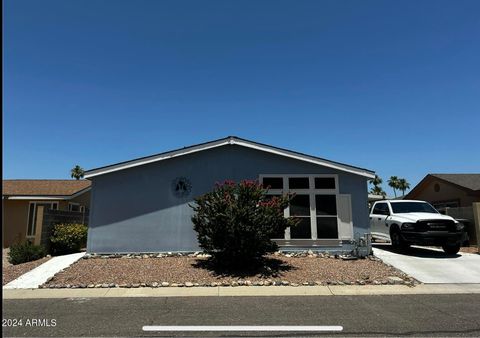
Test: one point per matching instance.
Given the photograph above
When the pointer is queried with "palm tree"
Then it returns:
(77, 172)
(377, 186)
(378, 191)
(393, 183)
(403, 185)
(377, 181)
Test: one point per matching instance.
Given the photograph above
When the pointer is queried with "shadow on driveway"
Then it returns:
(416, 251)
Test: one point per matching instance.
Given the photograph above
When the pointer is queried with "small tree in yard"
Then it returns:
(236, 222)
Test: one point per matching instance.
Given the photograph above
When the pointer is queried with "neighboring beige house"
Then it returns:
(448, 190)
(21, 198)
(453, 194)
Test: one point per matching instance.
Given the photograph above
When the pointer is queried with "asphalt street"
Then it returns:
(411, 315)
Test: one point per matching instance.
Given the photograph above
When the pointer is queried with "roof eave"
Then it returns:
(155, 158)
(46, 197)
(229, 141)
(36, 197)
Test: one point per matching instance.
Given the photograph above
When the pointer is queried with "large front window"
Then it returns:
(314, 204)
(300, 209)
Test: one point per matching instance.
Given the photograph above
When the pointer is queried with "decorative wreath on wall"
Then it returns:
(181, 187)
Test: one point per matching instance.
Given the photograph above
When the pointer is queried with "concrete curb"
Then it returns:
(245, 291)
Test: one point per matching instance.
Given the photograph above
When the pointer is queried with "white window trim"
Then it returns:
(311, 192)
(81, 208)
(35, 212)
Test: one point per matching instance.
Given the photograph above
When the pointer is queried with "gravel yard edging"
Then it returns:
(198, 254)
(399, 279)
(393, 280)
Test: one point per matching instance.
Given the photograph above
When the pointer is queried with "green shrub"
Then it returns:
(68, 238)
(236, 222)
(25, 252)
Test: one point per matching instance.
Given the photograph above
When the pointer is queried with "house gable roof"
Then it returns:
(230, 140)
(467, 182)
(44, 188)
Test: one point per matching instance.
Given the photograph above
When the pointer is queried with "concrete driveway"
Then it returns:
(431, 265)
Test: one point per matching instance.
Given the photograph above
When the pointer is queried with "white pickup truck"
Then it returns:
(406, 222)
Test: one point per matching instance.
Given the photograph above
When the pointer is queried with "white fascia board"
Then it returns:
(230, 141)
(42, 198)
(47, 198)
(306, 158)
(136, 163)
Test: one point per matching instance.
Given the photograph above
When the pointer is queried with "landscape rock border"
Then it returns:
(393, 280)
(199, 254)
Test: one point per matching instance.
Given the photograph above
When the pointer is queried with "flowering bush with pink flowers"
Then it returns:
(236, 222)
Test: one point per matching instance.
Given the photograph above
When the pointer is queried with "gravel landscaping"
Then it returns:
(197, 270)
(11, 272)
(470, 249)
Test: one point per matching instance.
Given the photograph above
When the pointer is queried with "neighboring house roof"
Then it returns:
(230, 140)
(373, 197)
(44, 188)
(468, 182)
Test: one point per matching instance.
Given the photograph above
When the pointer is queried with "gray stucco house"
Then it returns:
(142, 205)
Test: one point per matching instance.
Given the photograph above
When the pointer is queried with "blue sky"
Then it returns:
(393, 86)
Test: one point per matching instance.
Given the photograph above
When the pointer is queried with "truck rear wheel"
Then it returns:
(451, 249)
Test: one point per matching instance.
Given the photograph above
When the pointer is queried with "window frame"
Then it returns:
(325, 176)
(311, 192)
(70, 204)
